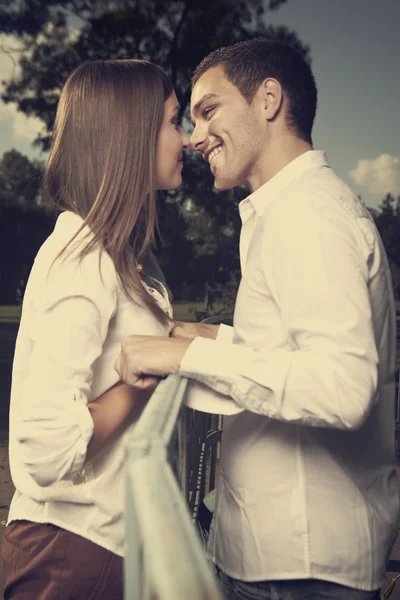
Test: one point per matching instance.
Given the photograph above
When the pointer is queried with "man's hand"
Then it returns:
(144, 358)
(189, 331)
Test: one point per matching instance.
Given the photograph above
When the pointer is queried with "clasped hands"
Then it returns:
(144, 359)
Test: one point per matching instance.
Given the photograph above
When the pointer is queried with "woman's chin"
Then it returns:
(173, 184)
(176, 183)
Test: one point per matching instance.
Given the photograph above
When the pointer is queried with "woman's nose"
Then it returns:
(186, 142)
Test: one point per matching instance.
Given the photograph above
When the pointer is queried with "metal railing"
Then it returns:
(164, 557)
(203, 434)
(171, 464)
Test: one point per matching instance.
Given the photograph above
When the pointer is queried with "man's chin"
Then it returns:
(221, 186)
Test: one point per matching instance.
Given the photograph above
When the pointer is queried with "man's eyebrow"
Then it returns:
(197, 106)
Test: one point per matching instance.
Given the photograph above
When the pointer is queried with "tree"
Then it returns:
(387, 220)
(20, 181)
(24, 224)
(176, 34)
(22, 232)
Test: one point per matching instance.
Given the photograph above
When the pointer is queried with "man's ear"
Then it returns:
(272, 95)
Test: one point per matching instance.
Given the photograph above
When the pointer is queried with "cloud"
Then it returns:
(379, 176)
(22, 128)
(21, 125)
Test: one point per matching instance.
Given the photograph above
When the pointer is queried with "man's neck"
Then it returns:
(276, 159)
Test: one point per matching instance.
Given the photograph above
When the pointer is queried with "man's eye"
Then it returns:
(207, 112)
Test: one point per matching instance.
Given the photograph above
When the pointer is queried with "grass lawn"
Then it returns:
(186, 311)
(183, 311)
(10, 314)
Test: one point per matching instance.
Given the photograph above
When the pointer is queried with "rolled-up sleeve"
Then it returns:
(317, 274)
(68, 331)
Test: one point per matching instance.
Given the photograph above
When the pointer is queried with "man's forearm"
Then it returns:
(183, 329)
(112, 412)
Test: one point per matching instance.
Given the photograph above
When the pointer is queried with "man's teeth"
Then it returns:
(214, 153)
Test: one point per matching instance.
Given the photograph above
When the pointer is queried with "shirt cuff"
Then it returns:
(53, 443)
(254, 380)
(213, 363)
(225, 333)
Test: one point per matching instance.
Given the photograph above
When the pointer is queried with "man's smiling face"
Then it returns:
(228, 130)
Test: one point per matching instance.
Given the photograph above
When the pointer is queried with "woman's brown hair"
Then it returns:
(102, 162)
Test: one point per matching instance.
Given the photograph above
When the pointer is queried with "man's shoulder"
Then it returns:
(318, 190)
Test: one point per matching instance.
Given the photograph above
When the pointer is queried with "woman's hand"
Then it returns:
(144, 358)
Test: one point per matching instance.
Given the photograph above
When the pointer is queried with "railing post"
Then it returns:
(164, 554)
(133, 563)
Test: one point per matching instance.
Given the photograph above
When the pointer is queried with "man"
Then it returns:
(307, 504)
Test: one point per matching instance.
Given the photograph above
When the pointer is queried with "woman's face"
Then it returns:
(171, 142)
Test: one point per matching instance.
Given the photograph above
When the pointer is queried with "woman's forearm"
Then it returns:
(112, 412)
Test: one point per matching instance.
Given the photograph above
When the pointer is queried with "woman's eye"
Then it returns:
(176, 123)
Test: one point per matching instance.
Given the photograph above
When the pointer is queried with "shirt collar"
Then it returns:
(258, 200)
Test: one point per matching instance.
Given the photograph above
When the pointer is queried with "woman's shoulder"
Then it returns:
(59, 265)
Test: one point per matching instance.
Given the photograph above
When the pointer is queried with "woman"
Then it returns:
(116, 142)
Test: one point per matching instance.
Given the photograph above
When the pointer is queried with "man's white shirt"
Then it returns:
(308, 485)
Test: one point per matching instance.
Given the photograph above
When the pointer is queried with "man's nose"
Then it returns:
(198, 139)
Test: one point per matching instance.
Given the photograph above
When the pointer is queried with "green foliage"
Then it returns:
(201, 244)
(25, 222)
(387, 220)
(20, 181)
(22, 232)
(175, 34)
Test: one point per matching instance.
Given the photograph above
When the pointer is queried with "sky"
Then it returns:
(355, 51)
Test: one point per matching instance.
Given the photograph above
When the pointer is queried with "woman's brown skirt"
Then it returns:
(45, 562)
